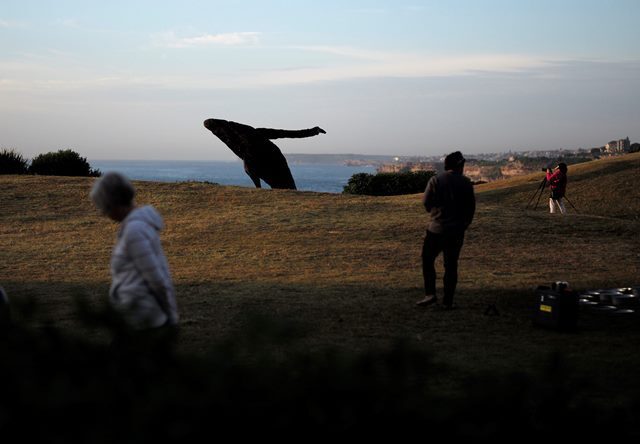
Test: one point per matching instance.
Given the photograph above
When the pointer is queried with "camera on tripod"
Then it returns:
(562, 167)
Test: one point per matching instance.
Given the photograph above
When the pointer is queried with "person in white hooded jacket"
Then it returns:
(141, 286)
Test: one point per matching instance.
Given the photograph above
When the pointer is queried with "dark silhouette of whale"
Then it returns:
(262, 158)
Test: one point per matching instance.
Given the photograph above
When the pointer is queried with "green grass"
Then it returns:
(346, 269)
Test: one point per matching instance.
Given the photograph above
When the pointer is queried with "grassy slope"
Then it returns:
(348, 267)
(606, 187)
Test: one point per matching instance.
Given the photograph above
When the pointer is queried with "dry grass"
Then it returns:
(347, 268)
(605, 187)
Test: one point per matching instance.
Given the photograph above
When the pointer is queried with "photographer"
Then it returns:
(557, 181)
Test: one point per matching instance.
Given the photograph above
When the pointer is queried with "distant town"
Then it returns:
(485, 167)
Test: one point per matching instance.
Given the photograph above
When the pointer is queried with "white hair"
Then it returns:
(112, 190)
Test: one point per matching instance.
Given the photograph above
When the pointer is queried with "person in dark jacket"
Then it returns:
(450, 201)
(557, 181)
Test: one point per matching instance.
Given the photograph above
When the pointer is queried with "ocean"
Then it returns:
(328, 178)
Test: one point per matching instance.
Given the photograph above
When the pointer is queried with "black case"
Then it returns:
(556, 309)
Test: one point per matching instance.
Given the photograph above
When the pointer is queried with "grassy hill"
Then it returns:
(605, 187)
(347, 268)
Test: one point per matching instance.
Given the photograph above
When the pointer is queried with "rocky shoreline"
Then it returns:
(482, 170)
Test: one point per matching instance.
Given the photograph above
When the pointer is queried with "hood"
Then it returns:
(148, 215)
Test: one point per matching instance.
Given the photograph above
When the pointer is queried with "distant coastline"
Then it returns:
(484, 167)
(319, 177)
(372, 160)
(331, 172)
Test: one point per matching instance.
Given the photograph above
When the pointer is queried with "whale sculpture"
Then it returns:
(262, 158)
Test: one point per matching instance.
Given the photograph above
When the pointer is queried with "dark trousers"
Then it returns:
(449, 245)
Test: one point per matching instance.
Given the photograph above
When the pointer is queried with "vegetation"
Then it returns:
(12, 162)
(142, 389)
(339, 341)
(541, 162)
(388, 184)
(62, 163)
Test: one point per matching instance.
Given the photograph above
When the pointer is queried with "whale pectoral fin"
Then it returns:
(256, 181)
(254, 177)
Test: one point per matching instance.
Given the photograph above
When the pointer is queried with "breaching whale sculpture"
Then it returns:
(262, 158)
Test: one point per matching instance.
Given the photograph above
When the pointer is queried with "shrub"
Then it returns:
(12, 162)
(388, 184)
(62, 163)
(59, 387)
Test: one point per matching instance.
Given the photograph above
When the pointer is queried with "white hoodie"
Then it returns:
(141, 286)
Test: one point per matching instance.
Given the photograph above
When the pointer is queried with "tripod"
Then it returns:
(540, 190)
(571, 203)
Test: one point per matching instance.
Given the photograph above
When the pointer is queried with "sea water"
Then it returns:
(328, 178)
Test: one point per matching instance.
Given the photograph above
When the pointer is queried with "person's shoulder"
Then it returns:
(433, 181)
(462, 181)
(137, 229)
(134, 225)
(457, 177)
(440, 177)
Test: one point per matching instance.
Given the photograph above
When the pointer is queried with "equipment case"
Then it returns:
(556, 308)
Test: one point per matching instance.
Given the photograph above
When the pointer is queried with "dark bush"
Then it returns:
(62, 163)
(58, 387)
(388, 184)
(12, 162)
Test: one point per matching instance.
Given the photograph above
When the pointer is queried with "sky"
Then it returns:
(136, 79)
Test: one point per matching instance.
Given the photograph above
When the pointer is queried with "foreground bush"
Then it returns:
(388, 184)
(12, 162)
(62, 163)
(58, 387)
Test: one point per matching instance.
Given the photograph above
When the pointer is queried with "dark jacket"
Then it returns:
(450, 200)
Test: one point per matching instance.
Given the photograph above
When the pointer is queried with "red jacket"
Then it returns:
(557, 182)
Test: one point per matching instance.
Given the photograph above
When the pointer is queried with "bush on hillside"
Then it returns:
(62, 163)
(12, 162)
(388, 184)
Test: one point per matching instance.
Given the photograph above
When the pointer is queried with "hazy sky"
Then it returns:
(135, 79)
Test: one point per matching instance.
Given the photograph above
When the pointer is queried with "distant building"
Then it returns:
(407, 167)
(596, 152)
(620, 146)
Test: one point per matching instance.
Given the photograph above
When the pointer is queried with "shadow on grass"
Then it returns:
(60, 386)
